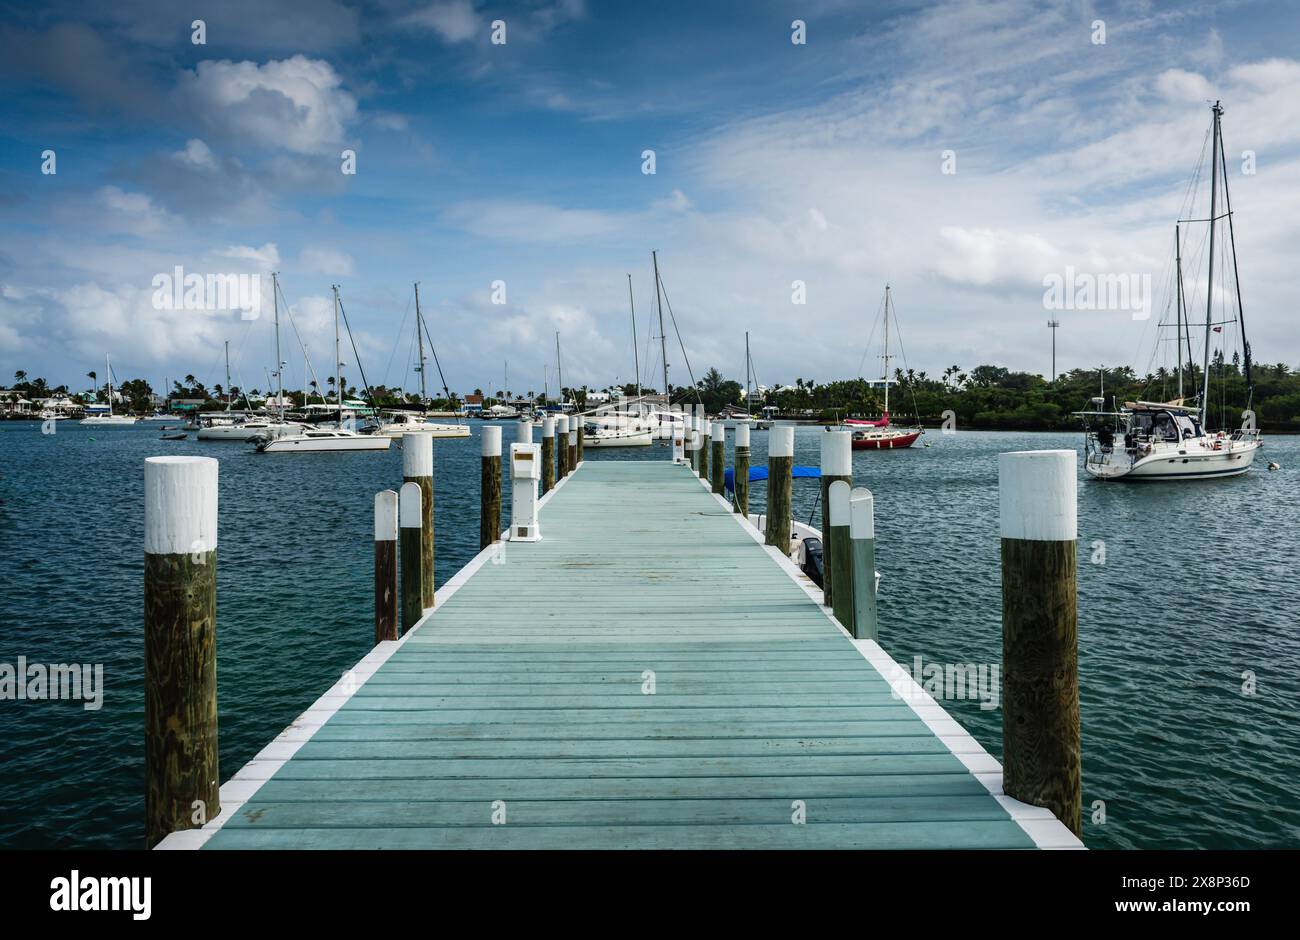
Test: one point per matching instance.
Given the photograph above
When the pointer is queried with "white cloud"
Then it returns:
(453, 20)
(328, 261)
(297, 104)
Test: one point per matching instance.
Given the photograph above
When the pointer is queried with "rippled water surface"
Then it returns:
(1198, 588)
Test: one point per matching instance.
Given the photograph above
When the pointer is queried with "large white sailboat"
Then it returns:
(325, 439)
(109, 420)
(1148, 440)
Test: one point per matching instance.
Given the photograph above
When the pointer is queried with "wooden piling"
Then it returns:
(548, 455)
(1040, 667)
(417, 468)
(837, 465)
(688, 445)
(489, 529)
(741, 461)
(386, 566)
(561, 447)
(780, 466)
(582, 431)
(862, 536)
(836, 535)
(704, 452)
(573, 443)
(411, 523)
(719, 456)
(182, 781)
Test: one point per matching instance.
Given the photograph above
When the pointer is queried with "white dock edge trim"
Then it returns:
(240, 788)
(1043, 828)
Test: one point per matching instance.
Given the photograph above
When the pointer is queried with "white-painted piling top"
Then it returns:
(548, 427)
(411, 514)
(573, 432)
(780, 441)
(525, 431)
(719, 431)
(742, 434)
(562, 424)
(180, 505)
(492, 442)
(838, 500)
(862, 513)
(837, 454)
(1037, 495)
(417, 454)
(386, 516)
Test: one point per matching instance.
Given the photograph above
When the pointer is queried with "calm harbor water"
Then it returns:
(1197, 589)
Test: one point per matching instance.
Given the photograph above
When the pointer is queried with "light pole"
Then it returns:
(1052, 325)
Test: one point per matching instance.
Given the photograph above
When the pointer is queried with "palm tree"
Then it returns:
(20, 377)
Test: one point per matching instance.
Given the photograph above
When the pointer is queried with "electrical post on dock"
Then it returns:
(411, 522)
(862, 535)
(561, 448)
(719, 455)
(780, 470)
(548, 455)
(524, 474)
(182, 782)
(840, 560)
(678, 431)
(386, 566)
(690, 422)
(741, 481)
(417, 468)
(489, 529)
(837, 464)
(1040, 648)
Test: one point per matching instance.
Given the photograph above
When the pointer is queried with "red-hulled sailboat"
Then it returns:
(882, 434)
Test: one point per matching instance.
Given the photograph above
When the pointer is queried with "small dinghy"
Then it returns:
(175, 437)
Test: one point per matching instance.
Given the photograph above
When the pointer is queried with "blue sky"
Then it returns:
(522, 163)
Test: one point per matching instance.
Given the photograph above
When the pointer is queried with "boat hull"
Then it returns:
(636, 439)
(106, 422)
(885, 441)
(1194, 465)
(296, 444)
(436, 431)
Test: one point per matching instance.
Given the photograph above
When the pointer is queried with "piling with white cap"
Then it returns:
(862, 535)
(410, 515)
(574, 422)
(839, 559)
(561, 447)
(741, 481)
(386, 566)
(582, 432)
(705, 440)
(524, 430)
(489, 513)
(417, 468)
(780, 468)
(182, 781)
(837, 464)
(1040, 648)
(548, 454)
(719, 456)
(691, 424)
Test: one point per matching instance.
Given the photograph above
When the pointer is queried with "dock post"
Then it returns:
(411, 520)
(525, 431)
(561, 448)
(573, 444)
(386, 566)
(1040, 654)
(780, 466)
(582, 433)
(489, 510)
(417, 468)
(182, 782)
(837, 536)
(742, 469)
(692, 425)
(719, 455)
(677, 435)
(524, 474)
(548, 455)
(862, 534)
(837, 464)
(704, 446)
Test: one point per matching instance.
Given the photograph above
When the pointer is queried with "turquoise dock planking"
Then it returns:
(648, 675)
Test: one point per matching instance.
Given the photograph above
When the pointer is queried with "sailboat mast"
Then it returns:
(1209, 279)
(559, 369)
(1178, 337)
(885, 357)
(279, 362)
(338, 364)
(749, 396)
(108, 372)
(419, 339)
(663, 337)
(227, 375)
(1236, 280)
(636, 355)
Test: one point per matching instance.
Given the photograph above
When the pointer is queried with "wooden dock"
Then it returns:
(648, 675)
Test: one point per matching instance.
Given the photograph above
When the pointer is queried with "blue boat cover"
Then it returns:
(760, 473)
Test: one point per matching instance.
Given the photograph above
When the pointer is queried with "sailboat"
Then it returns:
(394, 422)
(1146, 440)
(325, 439)
(230, 428)
(622, 424)
(109, 420)
(882, 434)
